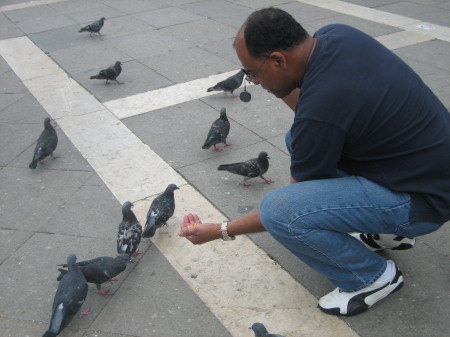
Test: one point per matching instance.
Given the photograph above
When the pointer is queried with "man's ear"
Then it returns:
(279, 59)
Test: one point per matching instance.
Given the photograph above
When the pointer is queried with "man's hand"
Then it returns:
(197, 232)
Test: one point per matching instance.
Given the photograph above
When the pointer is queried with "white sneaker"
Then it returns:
(342, 303)
(384, 241)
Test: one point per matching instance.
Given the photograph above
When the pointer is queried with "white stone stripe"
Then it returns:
(164, 97)
(130, 169)
(236, 280)
(379, 16)
(27, 4)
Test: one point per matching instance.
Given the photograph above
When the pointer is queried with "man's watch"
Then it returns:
(224, 230)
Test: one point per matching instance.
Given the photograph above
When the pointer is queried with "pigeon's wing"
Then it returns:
(248, 168)
(108, 73)
(135, 238)
(213, 136)
(122, 240)
(224, 129)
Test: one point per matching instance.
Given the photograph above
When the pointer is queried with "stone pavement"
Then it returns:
(127, 142)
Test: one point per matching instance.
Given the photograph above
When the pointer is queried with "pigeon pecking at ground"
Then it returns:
(109, 74)
(260, 331)
(251, 168)
(45, 144)
(100, 270)
(130, 232)
(230, 84)
(218, 132)
(71, 293)
(93, 27)
(161, 209)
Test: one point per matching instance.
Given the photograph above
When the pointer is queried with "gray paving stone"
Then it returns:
(257, 4)
(165, 17)
(223, 48)
(63, 38)
(443, 94)
(10, 241)
(38, 19)
(145, 44)
(372, 3)
(134, 6)
(177, 65)
(194, 32)
(419, 11)
(33, 196)
(224, 189)
(306, 13)
(85, 11)
(432, 52)
(12, 327)
(171, 310)
(136, 77)
(78, 59)
(371, 28)
(8, 30)
(20, 137)
(124, 25)
(230, 14)
(185, 128)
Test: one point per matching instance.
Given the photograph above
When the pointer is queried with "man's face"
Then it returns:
(267, 71)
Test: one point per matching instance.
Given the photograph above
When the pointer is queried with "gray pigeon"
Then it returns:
(109, 74)
(218, 132)
(130, 232)
(252, 168)
(45, 144)
(71, 293)
(230, 84)
(260, 331)
(161, 209)
(93, 27)
(100, 270)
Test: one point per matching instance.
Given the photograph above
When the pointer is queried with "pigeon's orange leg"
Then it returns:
(85, 313)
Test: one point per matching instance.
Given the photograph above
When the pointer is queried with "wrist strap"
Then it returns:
(224, 230)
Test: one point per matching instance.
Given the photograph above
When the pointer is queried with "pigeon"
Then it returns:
(230, 84)
(110, 73)
(71, 293)
(93, 27)
(45, 144)
(161, 209)
(260, 331)
(218, 132)
(100, 270)
(252, 168)
(130, 232)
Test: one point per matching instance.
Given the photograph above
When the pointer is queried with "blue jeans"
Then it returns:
(312, 219)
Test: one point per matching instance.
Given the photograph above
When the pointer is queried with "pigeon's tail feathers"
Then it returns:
(56, 322)
(84, 29)
(60, 276)
(225, 167)
(217, 87)
(149, 232)
(33, 165)
(96, 77)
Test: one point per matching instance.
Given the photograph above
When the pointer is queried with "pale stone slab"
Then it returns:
(402, 39)
(157, 99)
(27, 4)
(436, 31)
(243, 272)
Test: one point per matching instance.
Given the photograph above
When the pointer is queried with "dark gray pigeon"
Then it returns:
(109, 74)
(252, 168)
(130, 232)
(45, 144)
(100, 270)
(161, 209)
(218, 132)
(71, 293)
(230, 84)
(260, 331)
(93, 27)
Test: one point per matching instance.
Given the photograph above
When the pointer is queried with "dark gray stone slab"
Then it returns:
(372, 3)
(124, 25)
(99, 56)
(230, 14)
(8, 29)
(224, 49)
(371, 28)
(433, 52)
(171, 308)
(32, 196)
(18, 138)
(201, 32)
(177, 133)
(24, 110)
(177, 65)
(85, 11)
(12, 327)
(165, 17)
(10, 241)
(145, 44)
(136, 77)
(423, 12)
(38, 19)
(134, 6)
(304, 13)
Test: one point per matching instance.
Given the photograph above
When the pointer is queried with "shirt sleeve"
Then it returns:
(316, 149)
